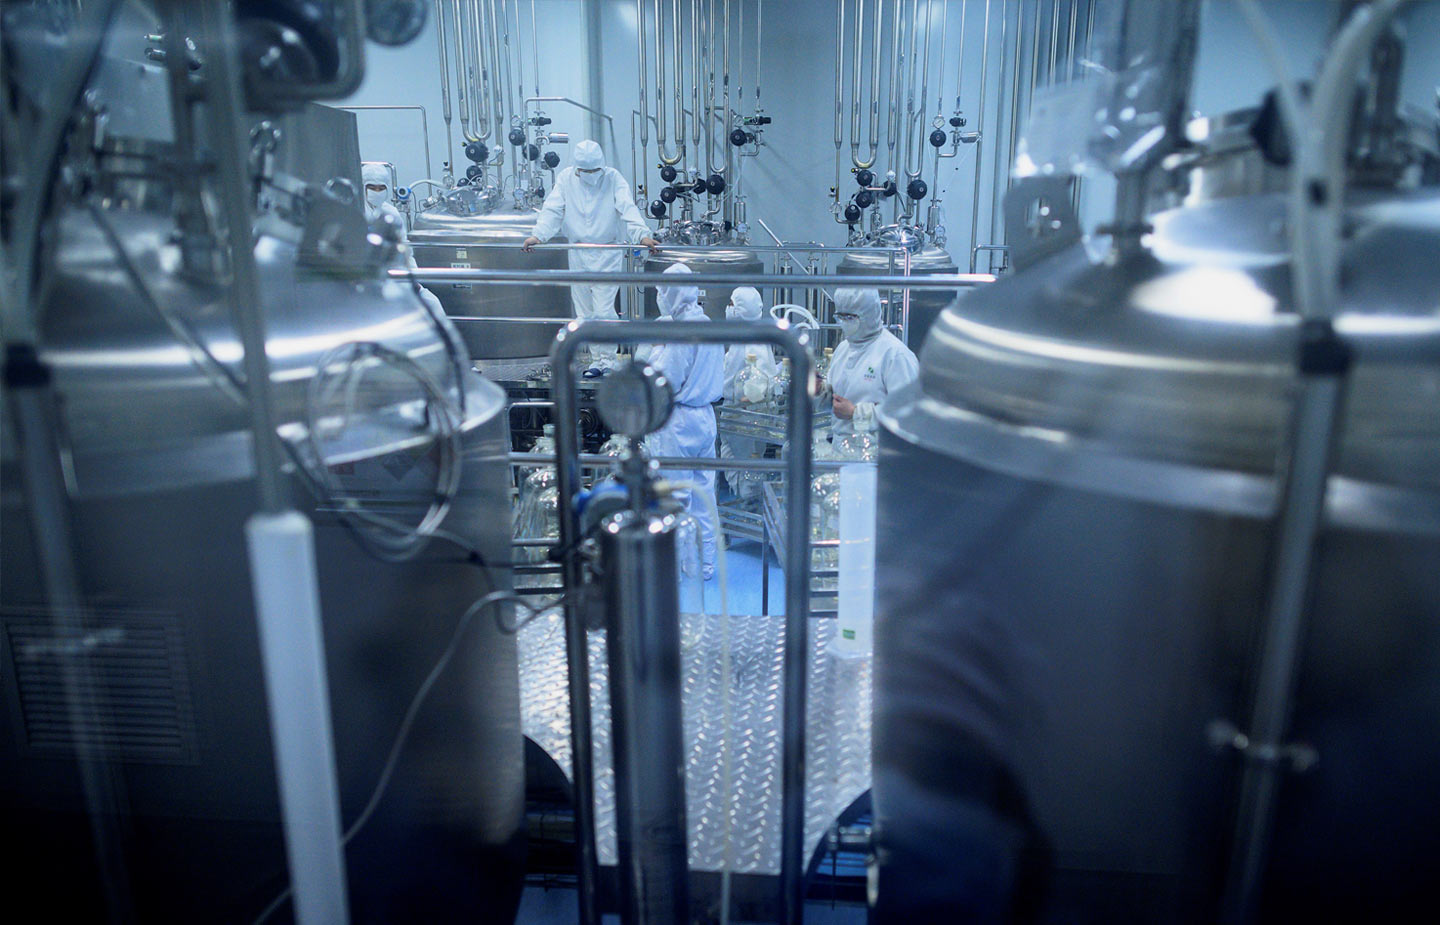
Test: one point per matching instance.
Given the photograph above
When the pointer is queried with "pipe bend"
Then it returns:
(855, 156)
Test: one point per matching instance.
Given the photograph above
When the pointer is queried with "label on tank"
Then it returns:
(461, 253)
(460, 266)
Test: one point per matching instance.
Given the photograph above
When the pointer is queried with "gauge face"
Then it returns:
(394, 22)
(634, 400)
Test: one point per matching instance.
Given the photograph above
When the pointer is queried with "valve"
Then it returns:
(957, 121)
(917, 189)
(864, 199)
(532, 152)
(740, 138)
(865, 178)
(657, 208)
(715, 185)
(852, 212)
(517, 137)
(937, 138)
(889, 189)
(552, 160)
(699, 186)
(477, 152)
(540, 120)
(668, 173)
(473, 171)
(757, 120)
(668, 194)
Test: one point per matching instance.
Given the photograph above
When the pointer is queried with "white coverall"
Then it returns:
(592, 209)
(745, 305)
(377, 203)
(696, 373)
(870, 362)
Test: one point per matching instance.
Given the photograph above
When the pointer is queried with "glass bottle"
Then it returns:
(752, 386)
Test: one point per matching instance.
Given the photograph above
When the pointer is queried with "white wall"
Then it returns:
(788, 185)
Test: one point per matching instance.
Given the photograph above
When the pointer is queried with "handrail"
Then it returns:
(524, 277)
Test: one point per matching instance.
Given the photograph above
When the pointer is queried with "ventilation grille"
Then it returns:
(135, 700)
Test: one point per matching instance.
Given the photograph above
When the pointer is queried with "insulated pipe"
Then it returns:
(444, 89)
(980, 126)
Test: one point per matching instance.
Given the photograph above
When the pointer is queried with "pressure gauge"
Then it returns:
(394, 22)
(635, 400)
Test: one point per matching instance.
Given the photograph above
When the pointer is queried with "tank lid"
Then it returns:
(1187, 354)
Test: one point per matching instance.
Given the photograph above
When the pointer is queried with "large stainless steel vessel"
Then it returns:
(1052, 653)
(718, 259)
(492, 241)
(925, 304)
(161, 486)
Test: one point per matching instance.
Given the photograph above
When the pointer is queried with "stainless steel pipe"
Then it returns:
(795, 345)
(702, 278)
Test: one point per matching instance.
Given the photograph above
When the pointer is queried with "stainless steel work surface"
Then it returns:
(837, 732)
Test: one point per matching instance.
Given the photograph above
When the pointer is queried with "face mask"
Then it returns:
(733, 313)
(375, 197)
(591, 180)
(848, 326)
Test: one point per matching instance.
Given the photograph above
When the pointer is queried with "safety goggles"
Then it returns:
(846, 316)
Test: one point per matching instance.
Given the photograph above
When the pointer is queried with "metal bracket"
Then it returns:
(1039, 219)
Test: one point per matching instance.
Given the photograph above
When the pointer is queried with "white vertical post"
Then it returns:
(856, 610)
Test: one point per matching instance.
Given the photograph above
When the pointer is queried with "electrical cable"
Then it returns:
(413, 710)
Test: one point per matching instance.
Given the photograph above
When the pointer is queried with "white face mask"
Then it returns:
(375, 197)
(733, 313)
(848, 326)
(591, 180)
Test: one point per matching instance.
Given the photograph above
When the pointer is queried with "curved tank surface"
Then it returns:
(925, 304)
(717, 259)
(492, 241)
(161, 488)
(1051, 657)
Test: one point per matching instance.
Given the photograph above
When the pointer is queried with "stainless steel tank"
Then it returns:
(492, 241)
(718, 259)
(161, 485)
(925, 304)
(1052, 652)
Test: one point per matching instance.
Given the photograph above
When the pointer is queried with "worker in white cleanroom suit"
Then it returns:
(745, 305)
(869, 364)
(592, 204)
(376, 179)
(696, 373)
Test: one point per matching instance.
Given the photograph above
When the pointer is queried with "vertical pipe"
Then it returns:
(940, 74)
(281, 545)
(643, 74)
(677, 16)
(696, 59)
(960, 58)
(910, 68)
(998, 231)
(872, 80)
(577, 648)
(839, 93)
(1070, 51)
(897, 83)
(534, 48)
(759, 29)
(979, 142)
(462, 94)
(473, 60)
(445, 89)
(641, 595)
(1054, 42)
